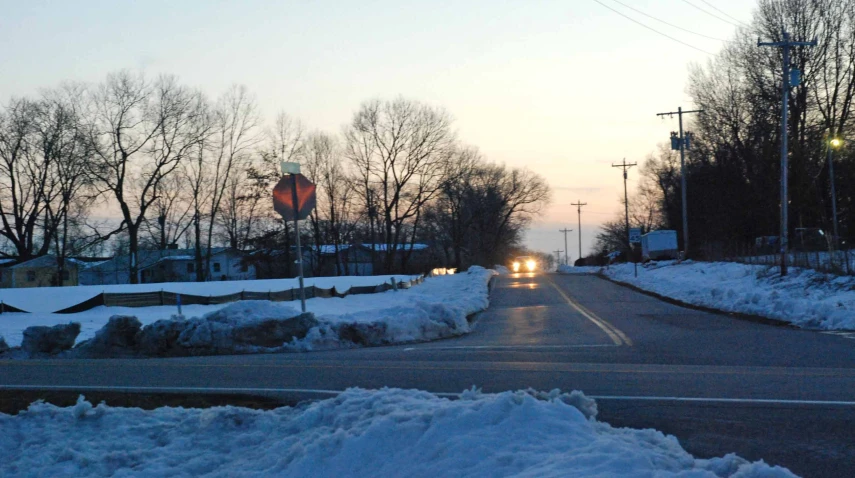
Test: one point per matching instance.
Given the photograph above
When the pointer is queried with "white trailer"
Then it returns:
(658, 245)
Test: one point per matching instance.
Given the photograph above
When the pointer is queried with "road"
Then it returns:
(720, 384)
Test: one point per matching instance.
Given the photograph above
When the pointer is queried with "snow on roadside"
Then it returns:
(435, 309)
(805, 297)
(51, 299)
(564, 269)
(387, 432)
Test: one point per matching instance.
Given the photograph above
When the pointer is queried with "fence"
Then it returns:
(151, 299)
(841, 262)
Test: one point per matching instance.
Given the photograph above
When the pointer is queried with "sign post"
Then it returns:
(634, 238)
(294, 198)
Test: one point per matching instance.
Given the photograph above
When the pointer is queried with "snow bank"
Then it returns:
(804, 297)
(565, 269)
(46, 300)
(502, 270)
(437, 308)
(388, 432)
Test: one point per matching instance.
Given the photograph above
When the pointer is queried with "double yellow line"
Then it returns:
(617, 336)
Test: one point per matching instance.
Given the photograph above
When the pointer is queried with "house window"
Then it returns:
(31, 276)
(216, 267)
(191, 268)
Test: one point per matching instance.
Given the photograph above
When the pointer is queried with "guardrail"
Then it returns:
(162, 297)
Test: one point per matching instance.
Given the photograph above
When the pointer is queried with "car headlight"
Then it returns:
(516, 266)
(531, 265)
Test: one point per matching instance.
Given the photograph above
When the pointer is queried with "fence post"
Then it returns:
(161, 296)
(178, 302)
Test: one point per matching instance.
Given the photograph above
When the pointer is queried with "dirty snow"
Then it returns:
(436, 308)
(387, 432)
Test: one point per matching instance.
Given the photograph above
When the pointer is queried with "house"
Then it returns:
(355, 261)
(422, 257)
(170, 265)
(40, 272)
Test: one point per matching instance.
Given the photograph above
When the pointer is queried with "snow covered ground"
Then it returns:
(437, 308)
(388, 432)
(805, 297)
(51, 299)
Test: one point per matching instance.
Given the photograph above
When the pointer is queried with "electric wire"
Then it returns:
(653, 29)
(725, 14)
(666, 23)
(687, 2)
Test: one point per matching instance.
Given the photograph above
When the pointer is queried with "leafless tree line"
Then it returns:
(178, 168)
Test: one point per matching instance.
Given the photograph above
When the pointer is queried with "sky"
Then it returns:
(564, 88)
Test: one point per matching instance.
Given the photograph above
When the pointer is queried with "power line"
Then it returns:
(653, 29)
(723, 13)
(687, 2)
(666, 23)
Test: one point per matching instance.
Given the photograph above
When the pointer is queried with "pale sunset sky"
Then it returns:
(564, 88)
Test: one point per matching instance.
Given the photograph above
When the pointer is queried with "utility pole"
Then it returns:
(789, 78)
(683, 141)
(557, 258)
(833, 143)
(579, 205)
(625, 168)
(565, 231)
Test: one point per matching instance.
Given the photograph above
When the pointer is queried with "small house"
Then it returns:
(40, 272)
(169, 265)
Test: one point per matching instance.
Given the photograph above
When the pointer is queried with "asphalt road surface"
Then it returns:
(718, 383)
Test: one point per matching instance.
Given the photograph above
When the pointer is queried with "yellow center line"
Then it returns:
(617, 336)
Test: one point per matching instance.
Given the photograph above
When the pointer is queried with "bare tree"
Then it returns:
(403, 147)
(141, 131)
(235, 137)
(27, 185)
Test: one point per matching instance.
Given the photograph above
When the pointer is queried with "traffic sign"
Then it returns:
(284, 198)
(635, 235)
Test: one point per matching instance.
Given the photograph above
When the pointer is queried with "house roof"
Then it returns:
(398, 247)
(48, 260)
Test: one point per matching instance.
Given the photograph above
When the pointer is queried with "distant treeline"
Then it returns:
(177, 167)
(733, 171)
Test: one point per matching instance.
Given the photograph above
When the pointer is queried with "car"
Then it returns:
(526, 263)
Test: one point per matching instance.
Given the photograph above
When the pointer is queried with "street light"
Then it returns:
(833, 143)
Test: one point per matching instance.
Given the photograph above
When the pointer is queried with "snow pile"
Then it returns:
(805, 297)
(47, 300)
(437, 308)
(388, 432)
(502, 270)
(565, 269)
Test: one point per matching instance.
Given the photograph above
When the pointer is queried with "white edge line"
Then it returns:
(311, 391)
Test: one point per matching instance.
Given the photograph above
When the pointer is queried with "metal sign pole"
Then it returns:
(299, 248)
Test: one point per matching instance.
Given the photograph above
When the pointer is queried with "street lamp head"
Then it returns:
(836, 142)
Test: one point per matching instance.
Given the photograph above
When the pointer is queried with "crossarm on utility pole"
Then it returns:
(786, 45)
(683, 188)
